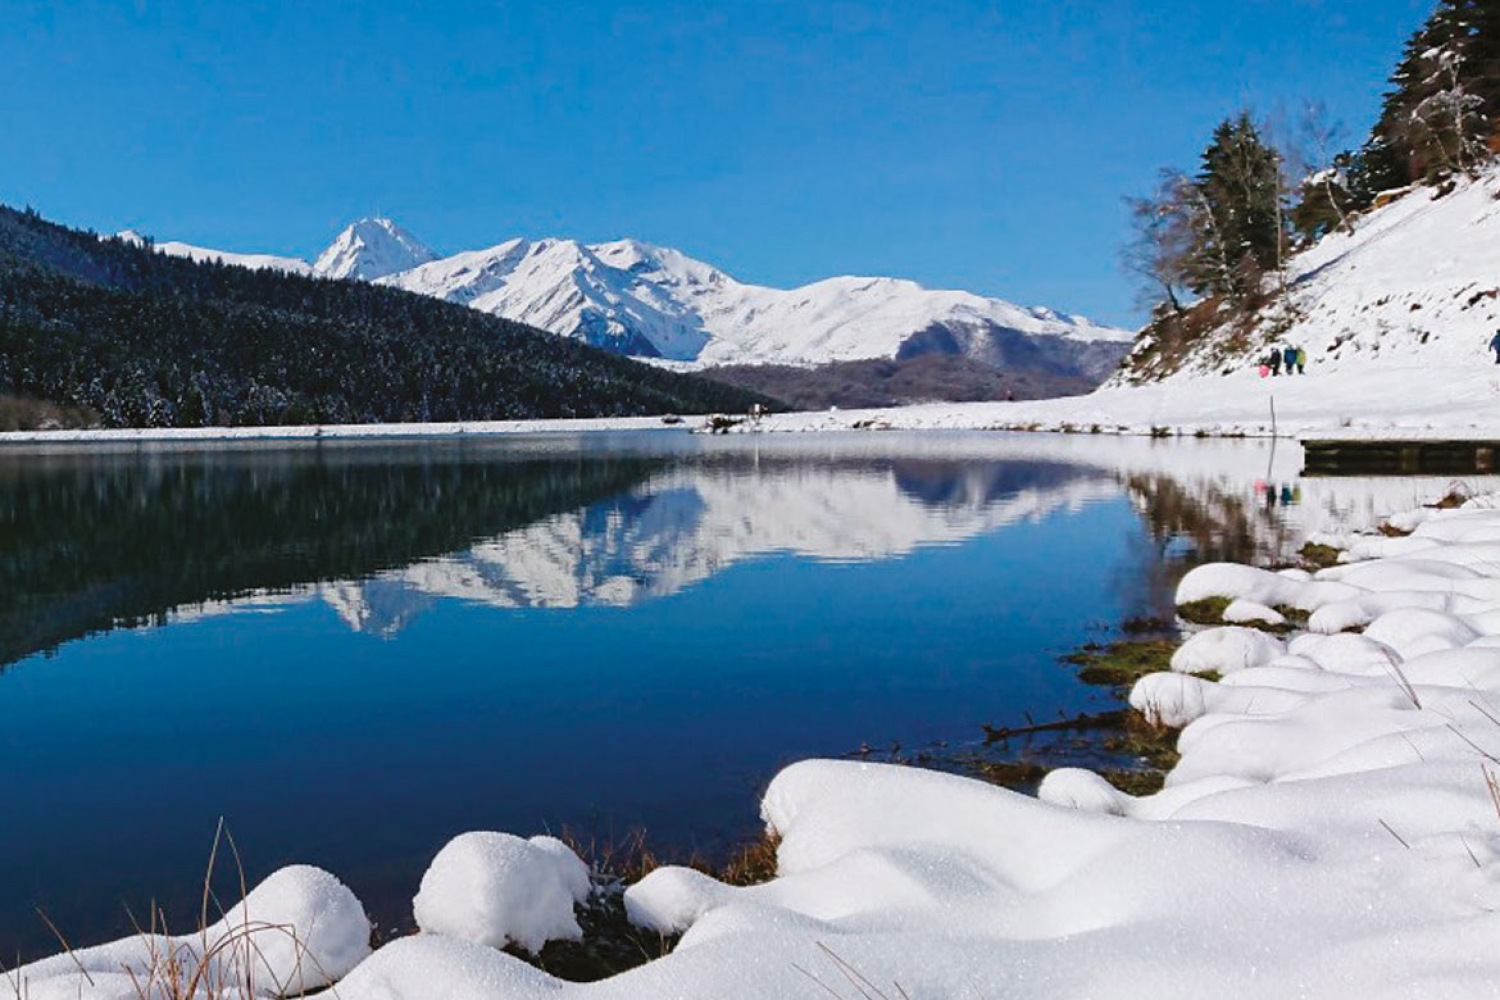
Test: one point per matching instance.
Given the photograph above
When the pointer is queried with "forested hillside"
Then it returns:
(1223, 253)
(146, 340)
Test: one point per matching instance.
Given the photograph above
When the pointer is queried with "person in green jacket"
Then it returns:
(1301, 361)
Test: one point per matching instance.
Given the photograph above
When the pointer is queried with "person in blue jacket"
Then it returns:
(1495, 346)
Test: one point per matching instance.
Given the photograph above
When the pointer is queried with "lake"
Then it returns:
(352, 652)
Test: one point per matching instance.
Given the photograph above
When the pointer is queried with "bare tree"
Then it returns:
(1446, 123)
(1315, 157)
(1162, 239)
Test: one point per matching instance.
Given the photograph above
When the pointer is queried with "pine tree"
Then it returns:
(1239, 222)
(1444, 101)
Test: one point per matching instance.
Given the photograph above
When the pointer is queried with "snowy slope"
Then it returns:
(1415, 282)
(655, 301)
(254, 261)
(370, 249)
(1395, 317)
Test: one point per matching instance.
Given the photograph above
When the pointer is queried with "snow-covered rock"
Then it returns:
(497, 889)
(1225, 650)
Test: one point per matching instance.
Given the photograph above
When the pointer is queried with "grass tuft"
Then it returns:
(1208, 611)
(1315, 556)
(1122, 663)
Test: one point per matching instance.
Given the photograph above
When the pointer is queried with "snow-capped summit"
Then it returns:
(370, 249)
(615, 295)
(655, 302)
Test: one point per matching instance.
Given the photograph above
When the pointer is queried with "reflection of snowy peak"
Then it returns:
(376, 607)
(687, 526)
(370, 249)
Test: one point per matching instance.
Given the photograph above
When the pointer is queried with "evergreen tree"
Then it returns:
(1444, 100)
(1239, 222)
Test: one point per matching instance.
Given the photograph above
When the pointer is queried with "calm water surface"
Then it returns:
(353, 653)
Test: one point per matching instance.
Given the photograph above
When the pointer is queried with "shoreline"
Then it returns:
(1232, 406)
(1329, 812)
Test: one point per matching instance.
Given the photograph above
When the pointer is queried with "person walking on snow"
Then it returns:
(1301, 361)
(1274, 358)
(1495, 346)
(1289, 358)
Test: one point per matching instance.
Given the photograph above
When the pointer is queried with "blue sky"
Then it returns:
(984, 146)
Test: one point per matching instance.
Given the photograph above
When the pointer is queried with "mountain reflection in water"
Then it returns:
(600, 631)
(91, 540)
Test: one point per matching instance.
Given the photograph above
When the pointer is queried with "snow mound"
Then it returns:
(497, 889)
(299, 930)
(1225, 650)
(1241, 612)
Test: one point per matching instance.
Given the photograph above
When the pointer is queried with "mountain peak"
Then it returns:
(372, 248)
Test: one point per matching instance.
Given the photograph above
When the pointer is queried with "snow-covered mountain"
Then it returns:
(366, 250)
(371, 249)
(656, 302)
(254, 261)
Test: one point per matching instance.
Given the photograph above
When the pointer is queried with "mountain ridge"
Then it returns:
(655, 302)
(146, 339)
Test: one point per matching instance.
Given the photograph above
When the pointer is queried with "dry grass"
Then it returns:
(222, 960)
(852, 978)
(1315, 556)
(1208, 611)
(611, 943)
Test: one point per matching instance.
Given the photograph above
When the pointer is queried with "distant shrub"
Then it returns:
(18, 413)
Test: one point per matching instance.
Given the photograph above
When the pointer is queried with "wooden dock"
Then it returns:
(1436, 457)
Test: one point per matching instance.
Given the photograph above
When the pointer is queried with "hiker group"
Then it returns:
(1288, 357)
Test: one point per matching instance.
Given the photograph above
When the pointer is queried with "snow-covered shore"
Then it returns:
(1397, 401)
(1406, 401)
(333, 432)
(1329, 832)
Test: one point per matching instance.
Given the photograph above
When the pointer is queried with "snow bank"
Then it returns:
(299, 930)
(1225, 650)
(1327, 833)
(497, 889)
